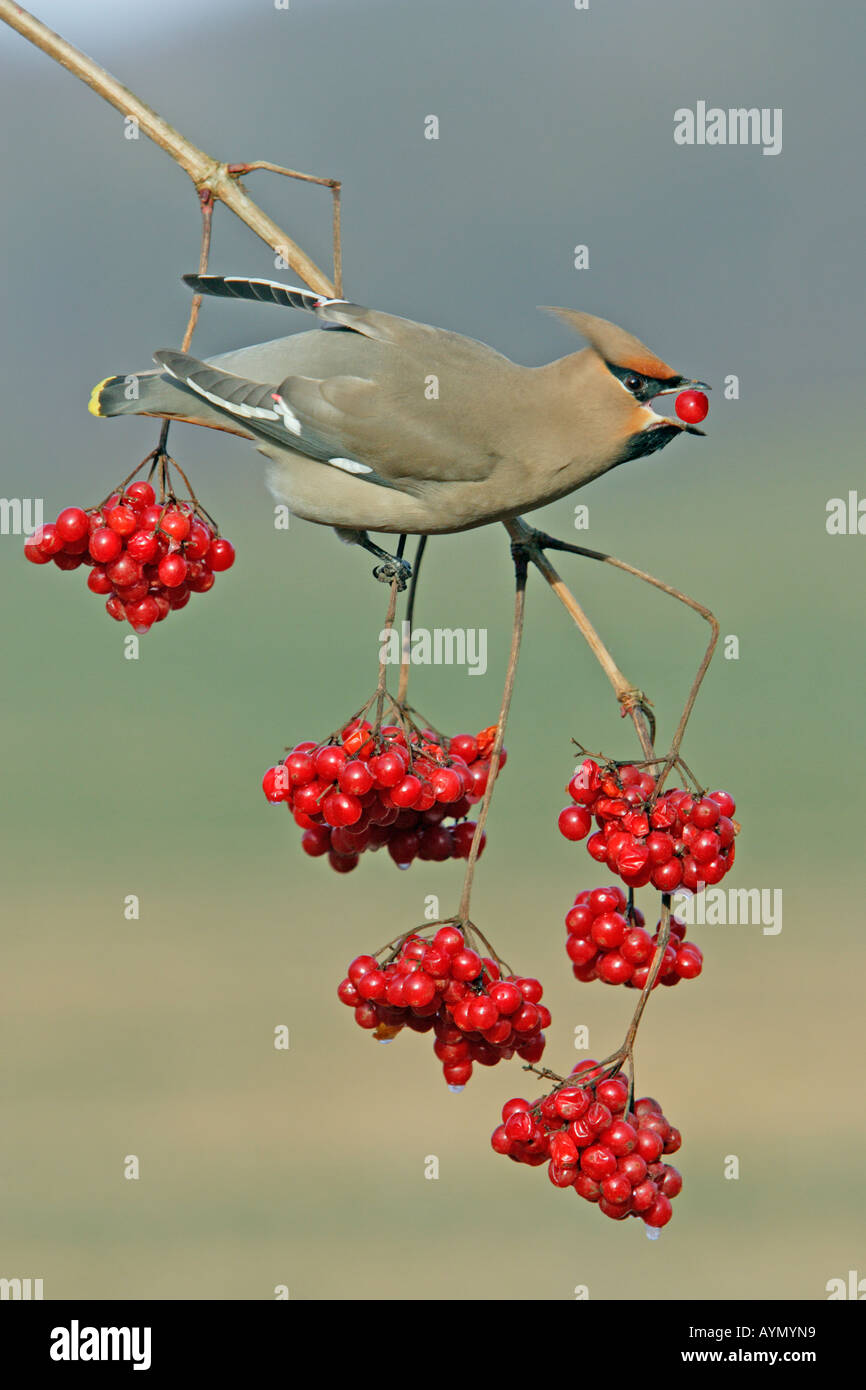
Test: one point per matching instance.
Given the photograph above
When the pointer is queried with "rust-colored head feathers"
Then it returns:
(614, 344)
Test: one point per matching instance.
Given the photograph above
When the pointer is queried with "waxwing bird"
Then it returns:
(372, 422)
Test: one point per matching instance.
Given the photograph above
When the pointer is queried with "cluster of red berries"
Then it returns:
(678, 840)
(607, 941)
(583, 1134)
(444, 987)
(146, 558)
(367, 791)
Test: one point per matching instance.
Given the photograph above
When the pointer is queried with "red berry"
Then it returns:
(98, 581)
(614, 969)
(124, 571)
(464, 746)
(482, 1013)
(198, 541)
(123, 520)
(316, 841)
(141, 495)
(142, 615)
(355, 777)
(597, 1162)
(34, 554)
(465, 965)
(571, 1102)
(616, 1188)
(609, 930)
(447, 784)
(692, 406)
(725, 802)
(644, 1195)
(689, 962)
(72, 524)
(172, 570)
(275, 784)
(388, 769)
(506, 996)
(142, 546)
(419, 990)
(47, 539)
(666, 877)
(340, 809)
(361, 966)
(176, 524)
(449, 940)
(574, 822)
(221, 555)
(649, 1145)
(105, 545)
(661, 1210)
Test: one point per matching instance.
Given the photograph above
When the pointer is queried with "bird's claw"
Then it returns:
(394, 571)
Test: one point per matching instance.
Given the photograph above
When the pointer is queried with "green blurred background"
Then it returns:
(155, 1037)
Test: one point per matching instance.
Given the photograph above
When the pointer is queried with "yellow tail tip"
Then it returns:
(93, 403)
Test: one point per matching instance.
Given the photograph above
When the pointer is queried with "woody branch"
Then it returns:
(219, 179)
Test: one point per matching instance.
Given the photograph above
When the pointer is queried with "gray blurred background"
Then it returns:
(154, 1038)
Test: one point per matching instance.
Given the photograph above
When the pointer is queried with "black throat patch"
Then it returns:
(648, 442)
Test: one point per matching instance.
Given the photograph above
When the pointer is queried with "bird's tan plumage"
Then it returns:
(380, 423)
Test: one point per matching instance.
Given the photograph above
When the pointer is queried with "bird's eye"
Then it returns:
(633, 381)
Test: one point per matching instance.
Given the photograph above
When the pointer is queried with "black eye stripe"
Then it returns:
(643, 388)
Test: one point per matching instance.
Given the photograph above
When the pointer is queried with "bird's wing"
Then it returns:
(266, 413)
(385, 430)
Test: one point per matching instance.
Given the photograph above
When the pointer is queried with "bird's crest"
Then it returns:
(616, 346)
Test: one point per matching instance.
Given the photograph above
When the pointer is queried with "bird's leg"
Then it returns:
(394, 569)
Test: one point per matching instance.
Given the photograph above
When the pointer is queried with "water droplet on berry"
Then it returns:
(384, 1041)
(653, 1232)
(455, 1090)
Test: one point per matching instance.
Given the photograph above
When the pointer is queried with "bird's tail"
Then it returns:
(138, 393)
(153, 393)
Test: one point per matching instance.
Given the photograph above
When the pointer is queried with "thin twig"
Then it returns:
(551, 543)
(205, 171)
(379, 696)
(207, 207)
(336, 194)
(405, 653)
(520, 567)
(632, 700)
(664, 937)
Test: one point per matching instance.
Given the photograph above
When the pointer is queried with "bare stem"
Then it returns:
(405, 653)
(508, 691)
(664, 938)
(383, 665)
(336, 192)
(545, 542)
(632, 700)
(207, 206)
(205, 171)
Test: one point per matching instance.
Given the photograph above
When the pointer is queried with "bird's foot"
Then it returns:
(393, 571)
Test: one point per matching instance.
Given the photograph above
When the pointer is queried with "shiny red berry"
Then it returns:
(221, 555)
(692, 406)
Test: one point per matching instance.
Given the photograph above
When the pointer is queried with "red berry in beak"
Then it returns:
(692, 406)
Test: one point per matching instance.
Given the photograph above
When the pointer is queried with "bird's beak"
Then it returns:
(675, 390)
(684, 386)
